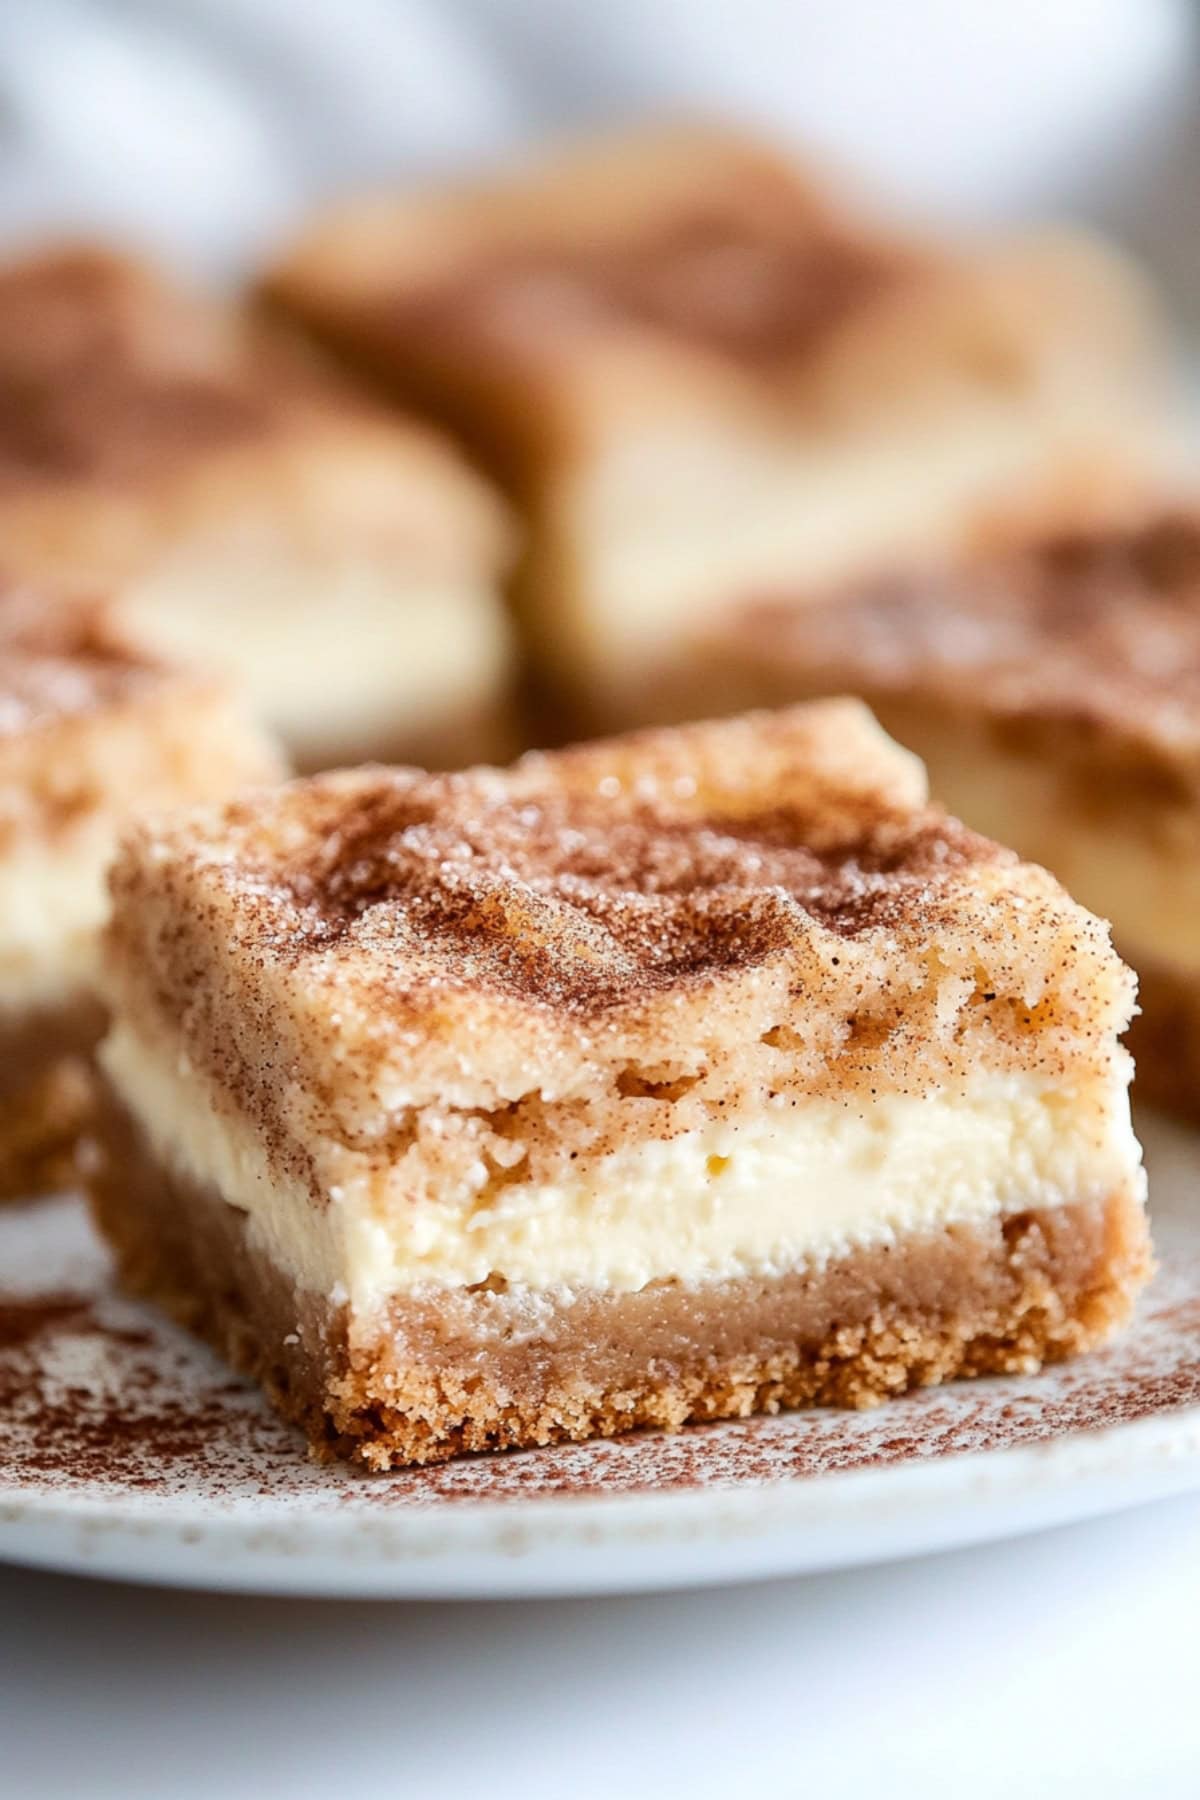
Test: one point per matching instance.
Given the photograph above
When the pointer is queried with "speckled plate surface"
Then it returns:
(126, 1450)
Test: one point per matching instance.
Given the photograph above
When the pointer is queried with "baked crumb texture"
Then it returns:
(249, 512)
(91, 729)
(410, 986)
(704, 371)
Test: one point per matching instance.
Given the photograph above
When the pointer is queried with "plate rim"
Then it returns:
(570, 1544)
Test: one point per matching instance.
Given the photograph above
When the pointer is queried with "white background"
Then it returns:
(206, 128)
(1062, 1665)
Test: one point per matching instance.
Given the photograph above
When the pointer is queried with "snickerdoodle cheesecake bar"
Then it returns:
(91, 730)
(251, 514)
(667, 1078)
(704, 371)
(1053, 690)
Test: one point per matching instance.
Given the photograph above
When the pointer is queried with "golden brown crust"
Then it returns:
(460, 1372)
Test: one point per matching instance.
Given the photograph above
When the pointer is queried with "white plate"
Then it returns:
(126, 1450)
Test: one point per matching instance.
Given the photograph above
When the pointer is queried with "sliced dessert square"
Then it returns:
(704, 372)
(251, 514)
(1053, 690)
(90, 731)
(668, 1078)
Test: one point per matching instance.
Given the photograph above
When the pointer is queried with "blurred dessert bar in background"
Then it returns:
(90, 731)
(678, 1076)
(706, 376)
(1053, 690)
(249, 513)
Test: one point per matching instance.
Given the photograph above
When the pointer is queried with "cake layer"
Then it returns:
(764, 905)
(433, 1375)
(798, 1181)
(52, 903)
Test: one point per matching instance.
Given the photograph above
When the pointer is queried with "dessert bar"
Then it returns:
(674, 1077)
(91, 730)
(705, 373)
(249, 513)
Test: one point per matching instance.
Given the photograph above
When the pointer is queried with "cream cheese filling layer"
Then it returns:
(335, 652)
(52, 904)
(782, 1187)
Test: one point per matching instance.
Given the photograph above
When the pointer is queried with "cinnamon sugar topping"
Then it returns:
(600, 875)
(760, 280)
(104, 372)
(63, 658)
(1098, 630)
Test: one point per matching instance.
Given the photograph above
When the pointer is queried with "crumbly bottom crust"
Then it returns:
(47, 1094)
(485, 1369)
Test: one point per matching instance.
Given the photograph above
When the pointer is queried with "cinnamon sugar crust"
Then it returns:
(1091, 638)
(105, 371)
(481, 1370)
(63, 658)
(756, 276)
(653, 223)
(700, 255)
(134, 414)
(93, 725)
(648, 929)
